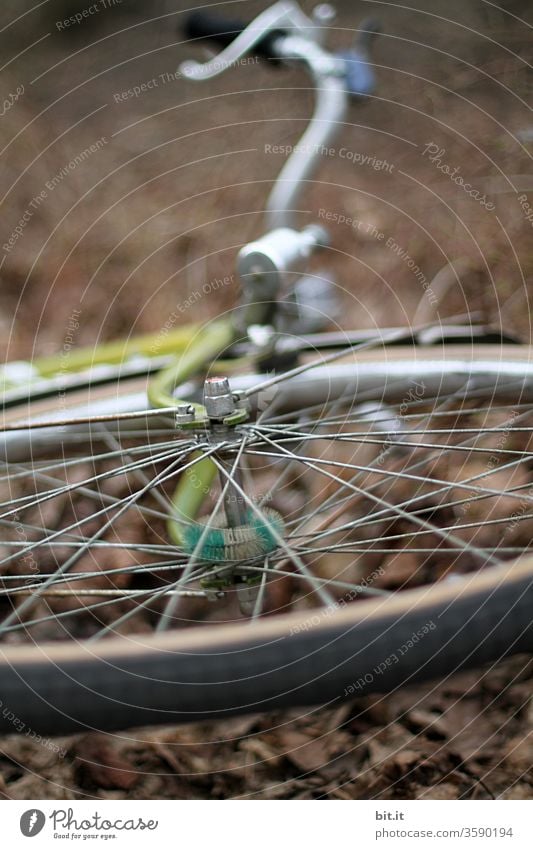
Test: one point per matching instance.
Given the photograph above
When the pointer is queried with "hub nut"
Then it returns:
(218, 398)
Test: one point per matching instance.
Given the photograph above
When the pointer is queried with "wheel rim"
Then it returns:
(352, 514)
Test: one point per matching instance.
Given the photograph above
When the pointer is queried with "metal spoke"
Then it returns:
(362, 511)
(195, 556)
(147, 568)
(126, 503)
(94, 457)
(393, 336)
(258, 606)
(23, 503)
(356, 589)
(388, 473)
(77, 420)
(397, 510)
(290, 552)
(56, 534)
(420, 464)
(89, 608)
(163, 500)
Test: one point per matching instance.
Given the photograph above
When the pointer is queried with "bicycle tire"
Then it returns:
(287, 660)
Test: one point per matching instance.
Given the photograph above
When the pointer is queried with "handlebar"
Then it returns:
(222, 31)
(283, 32)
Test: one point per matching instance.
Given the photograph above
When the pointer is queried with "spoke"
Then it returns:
(379, 515)
(356, 589)
(188, 570)
(89, 608)
(108, 417)
(348, 547)
(98, 495)
(315, 462)
(396, 509)
(22, 503)
(170, 607)
(359, 439)
(135, 568)
(331, 500)
(370, 395)
(393, 336)
(419, 464)
(352, 416)
(290, 552)
(163, 500)
(258, 606)
(359, 505)
(64, 463)
(287, 470)
(113, 593)
(126, 503)
(150, 548)
(77, 524)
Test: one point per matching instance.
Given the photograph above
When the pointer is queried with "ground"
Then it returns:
(167, 181)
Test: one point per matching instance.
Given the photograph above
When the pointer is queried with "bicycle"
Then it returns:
(270, 462)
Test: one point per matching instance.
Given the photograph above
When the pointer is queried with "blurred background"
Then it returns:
(120, 203)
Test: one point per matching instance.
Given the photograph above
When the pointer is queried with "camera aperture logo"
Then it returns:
(95, 825)
(32, 822)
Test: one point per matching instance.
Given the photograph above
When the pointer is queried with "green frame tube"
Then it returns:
(195, 483)
(194, 347)
(190, 494)
(113, 353)
(205, 347)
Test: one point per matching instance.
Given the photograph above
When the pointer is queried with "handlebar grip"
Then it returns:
(222, 31)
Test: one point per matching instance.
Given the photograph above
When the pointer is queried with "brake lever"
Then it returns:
(284, 15)
(360, 77)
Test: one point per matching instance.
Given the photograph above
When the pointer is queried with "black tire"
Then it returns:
(289, 660)
(298, 659)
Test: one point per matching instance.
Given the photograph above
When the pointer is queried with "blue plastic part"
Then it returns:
(360, 78)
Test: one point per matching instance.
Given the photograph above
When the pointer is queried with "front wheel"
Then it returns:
(368, 526)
